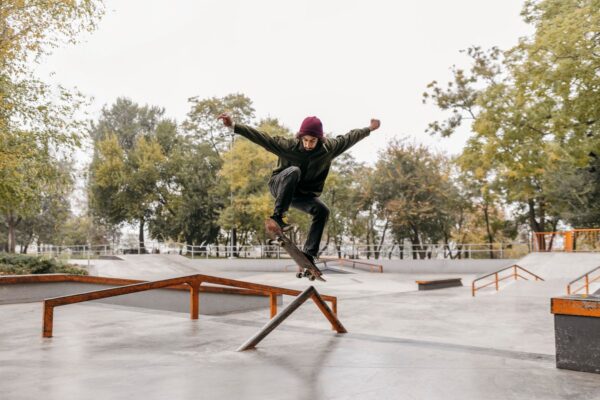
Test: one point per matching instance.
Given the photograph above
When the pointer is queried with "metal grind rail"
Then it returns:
(372, 267)
(311, 293)
(586, 284)
(515, 274)
(194, 284)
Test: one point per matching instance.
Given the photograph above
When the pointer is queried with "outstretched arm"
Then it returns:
(273, 144)
(344, 142)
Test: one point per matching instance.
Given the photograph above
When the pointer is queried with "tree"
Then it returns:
(413, 190)
(46, 225)
(342, 197)
(202, 124)
(35, 119)
(527, 104)
(190, 204)
(31, 176)
(126, 179)
(246, 171)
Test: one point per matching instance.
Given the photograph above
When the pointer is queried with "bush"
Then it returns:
(20, 264)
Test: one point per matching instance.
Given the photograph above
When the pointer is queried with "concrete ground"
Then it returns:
(402, 343)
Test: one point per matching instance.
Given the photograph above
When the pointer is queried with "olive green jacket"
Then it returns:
(313, 164)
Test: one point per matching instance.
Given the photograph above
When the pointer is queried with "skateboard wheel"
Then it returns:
(306, 273)
(299, 275)
(311, 278)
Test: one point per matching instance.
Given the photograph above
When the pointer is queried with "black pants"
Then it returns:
(283, 188)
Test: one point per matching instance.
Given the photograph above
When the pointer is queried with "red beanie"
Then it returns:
(311, 126)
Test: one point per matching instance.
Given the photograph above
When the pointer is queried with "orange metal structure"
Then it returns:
(515, 274)
(192, 283)
(587, 281)
(567, 241)
(575, 306)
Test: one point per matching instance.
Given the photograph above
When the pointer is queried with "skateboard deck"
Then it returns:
(307, 268)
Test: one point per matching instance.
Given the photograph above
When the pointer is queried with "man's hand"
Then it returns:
(375, 124)
(227, 120)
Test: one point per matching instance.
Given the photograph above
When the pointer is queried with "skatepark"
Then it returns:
(401, 342)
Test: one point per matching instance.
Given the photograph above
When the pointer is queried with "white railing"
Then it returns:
(353, 251)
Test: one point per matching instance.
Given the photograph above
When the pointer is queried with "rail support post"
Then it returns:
(273, 303)
(48, 320)
(194, 299)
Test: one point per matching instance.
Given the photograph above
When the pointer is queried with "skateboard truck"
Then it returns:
(307, 268)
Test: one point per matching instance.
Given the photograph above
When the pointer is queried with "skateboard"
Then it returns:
(307, 268)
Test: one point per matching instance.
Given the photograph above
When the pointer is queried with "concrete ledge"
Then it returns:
(576, 327)
(439, 283)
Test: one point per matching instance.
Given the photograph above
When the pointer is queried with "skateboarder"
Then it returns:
(303, 165)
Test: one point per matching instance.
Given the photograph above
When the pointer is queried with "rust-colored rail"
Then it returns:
(354, 263)
(586, 284)
(194, 283)
(312, 293)
(103, 280)
(497, 280)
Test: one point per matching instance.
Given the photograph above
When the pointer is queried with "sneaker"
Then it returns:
(282, 224)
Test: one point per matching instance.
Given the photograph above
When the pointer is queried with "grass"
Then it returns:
(21, 264)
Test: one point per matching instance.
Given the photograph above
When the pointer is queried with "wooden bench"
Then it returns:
(439, 283)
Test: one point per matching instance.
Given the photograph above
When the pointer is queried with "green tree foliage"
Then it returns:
(190, 204)
(246, 171)
(83, 230)
(36, 120)
(413, 190)
(202, 124)
(144, 171)
(28, 182)
(343, 195)
(533, 107)
(126, 179)
(47, 223)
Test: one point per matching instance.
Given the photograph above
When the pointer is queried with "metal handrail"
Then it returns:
(496, 281)
(587, 282)
(194, 283)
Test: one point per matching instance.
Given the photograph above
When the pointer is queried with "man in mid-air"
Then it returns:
(303, 165)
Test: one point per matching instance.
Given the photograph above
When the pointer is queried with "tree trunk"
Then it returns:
(378, 250)
(368, 238)
(142, 248)
(535, 226)
(488, 228)
(234, 252)
(338, 246)
(12, 223)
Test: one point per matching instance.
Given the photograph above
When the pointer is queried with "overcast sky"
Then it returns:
(343, 61)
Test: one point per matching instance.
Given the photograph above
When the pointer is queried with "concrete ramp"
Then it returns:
(557, 270)
(567, 266)
(546, 289)
(144, 266)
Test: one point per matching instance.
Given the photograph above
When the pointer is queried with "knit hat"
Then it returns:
(311, 126)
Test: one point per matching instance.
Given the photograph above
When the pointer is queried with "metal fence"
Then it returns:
(347, 250)
(583, 240)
